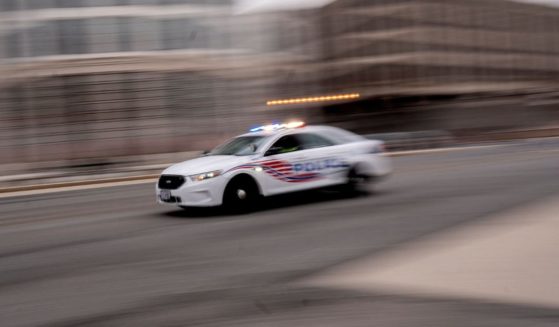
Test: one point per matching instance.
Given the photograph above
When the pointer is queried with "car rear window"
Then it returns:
(341, 136)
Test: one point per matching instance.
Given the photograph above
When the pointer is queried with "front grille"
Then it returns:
(170, 182)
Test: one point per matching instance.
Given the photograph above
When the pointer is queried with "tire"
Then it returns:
(241, 195)
(357, 183)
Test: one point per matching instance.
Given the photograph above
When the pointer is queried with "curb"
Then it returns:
(439, 150)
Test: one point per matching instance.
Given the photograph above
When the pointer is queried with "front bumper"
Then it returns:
(208, 193)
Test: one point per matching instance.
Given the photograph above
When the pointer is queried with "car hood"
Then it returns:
(205, 164)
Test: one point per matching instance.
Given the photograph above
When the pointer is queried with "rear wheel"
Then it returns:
(241, 195)
(357, 183)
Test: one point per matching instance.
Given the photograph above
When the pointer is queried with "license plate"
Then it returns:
(165, 195)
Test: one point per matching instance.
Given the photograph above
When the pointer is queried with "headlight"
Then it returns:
(204, 176)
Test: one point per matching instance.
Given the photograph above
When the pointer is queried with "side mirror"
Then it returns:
(206, 152)
(272, 151)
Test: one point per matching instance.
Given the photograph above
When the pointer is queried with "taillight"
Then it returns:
(378, 148)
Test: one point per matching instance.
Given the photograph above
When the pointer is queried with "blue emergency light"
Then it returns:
(277, 126)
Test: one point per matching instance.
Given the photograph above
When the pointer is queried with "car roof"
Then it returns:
(284, 131)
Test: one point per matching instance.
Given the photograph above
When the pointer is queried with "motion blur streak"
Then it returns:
(314, 99)
(115, 90)
(110, 257)
(86, 81)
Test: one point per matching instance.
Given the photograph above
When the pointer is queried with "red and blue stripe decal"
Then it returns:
(281, 170)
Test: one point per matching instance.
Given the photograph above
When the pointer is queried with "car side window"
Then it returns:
(312, 141)
(286, 144)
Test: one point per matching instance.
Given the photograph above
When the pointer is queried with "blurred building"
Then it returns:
(100, 78)
(439, 46)
(443, 64)
(103, 78)
(404, 56)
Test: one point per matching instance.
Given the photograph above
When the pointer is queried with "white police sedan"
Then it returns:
(271, 160)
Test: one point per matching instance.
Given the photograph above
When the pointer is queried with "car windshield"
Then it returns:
(239, 146)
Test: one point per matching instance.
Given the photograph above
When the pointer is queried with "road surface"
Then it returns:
(112, 257)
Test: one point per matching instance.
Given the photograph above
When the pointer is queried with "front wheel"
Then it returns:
(241, 195)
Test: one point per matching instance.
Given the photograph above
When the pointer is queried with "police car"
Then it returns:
(270, 160)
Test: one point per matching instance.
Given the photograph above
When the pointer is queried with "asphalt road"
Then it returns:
(112, 257)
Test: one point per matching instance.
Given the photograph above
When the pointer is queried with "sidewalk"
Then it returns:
(511, 257)
(17, 177)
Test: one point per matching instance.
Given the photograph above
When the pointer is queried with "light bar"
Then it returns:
(314, 99)
(275, 127)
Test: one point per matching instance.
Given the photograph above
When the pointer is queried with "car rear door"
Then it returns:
(301, 161)
(325, 157)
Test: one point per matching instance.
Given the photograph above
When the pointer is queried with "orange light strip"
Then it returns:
(314, 99)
